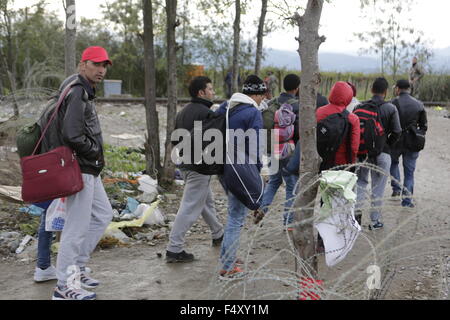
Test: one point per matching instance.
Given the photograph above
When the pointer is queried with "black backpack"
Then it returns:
(330, 135)
(373, 137)
(213, 121)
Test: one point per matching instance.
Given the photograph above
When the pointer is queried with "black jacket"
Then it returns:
(76, 126)
(411, 112)
(390, 121)
(197, 110)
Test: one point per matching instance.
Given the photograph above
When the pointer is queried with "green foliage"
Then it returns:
(124, 159)
(31, 227)
(435, 88)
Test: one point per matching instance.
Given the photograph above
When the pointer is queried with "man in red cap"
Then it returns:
(89, 212)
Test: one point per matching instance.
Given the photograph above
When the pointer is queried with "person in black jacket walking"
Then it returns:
(197, 196)
(391, 124)
(412, 114)
(89, 212)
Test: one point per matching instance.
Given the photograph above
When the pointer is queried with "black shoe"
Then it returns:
(217, 242)
(396, 194)
(376, 226)
(183, 256)
(408, 205)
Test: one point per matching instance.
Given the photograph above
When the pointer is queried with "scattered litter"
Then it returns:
(147, 197)
(117, 180)
(24, 242)
(33, 210)
(131, 207)
(155, 217)
(13, 194)
(337, 224)
(114, 231)
(147, 184)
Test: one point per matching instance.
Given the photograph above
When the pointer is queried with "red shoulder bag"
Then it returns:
(51, 175)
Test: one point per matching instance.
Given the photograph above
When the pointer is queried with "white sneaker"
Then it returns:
(44, 275)
(67, 293)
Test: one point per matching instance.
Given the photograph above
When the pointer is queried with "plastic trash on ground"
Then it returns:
(23, 244)
(33, 210)
(337, 224)
(114, 231)
(147, 184)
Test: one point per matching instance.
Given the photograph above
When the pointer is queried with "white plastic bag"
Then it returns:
(156, 217)
(56, 215)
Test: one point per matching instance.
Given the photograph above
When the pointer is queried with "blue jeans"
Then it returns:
(44, 239)
(237, 213)
(409, 166)
(272, 187)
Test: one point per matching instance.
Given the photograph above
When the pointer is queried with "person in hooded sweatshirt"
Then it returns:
(243, 115)
(340, 97)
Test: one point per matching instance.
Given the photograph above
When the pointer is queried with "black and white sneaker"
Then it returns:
(183, 256)
(88, 282)
(67, 293)
(376, 226)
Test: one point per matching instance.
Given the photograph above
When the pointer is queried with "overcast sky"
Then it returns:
(339, 20)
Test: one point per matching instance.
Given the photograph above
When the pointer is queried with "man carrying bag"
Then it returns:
(413, 119)
(89, 211)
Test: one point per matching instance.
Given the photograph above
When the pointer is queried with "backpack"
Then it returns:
(284, 132)
(268, 116)
(373, 137)
(27, 138)
(28, 135)
(212, 122)
(330, 135)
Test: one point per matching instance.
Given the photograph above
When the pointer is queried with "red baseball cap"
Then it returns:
(95, 54)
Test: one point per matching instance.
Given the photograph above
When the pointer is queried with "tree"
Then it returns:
(391, 34)
(236, 45)
(309, 43)
(9, 60)
(172, 24)
(71, 37)
(260, 37)
(152, 145)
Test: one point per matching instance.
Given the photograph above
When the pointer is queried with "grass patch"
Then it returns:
(124, 159)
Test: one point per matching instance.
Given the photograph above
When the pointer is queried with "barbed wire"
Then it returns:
(272, 275)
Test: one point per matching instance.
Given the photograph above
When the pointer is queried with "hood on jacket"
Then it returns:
(341, 94)
(240, 98)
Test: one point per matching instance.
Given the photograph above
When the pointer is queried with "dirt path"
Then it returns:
(413, 257)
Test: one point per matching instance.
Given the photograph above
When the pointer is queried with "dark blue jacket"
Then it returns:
(244, 117)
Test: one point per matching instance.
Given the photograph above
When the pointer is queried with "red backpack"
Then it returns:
(373, 137)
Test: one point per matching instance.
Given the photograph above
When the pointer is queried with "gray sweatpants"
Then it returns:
(379, 182)
(89, 213)
(197, 200)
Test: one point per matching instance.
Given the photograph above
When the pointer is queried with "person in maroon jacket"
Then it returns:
(340, 97)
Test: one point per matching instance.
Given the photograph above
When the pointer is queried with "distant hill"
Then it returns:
(338, 62)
